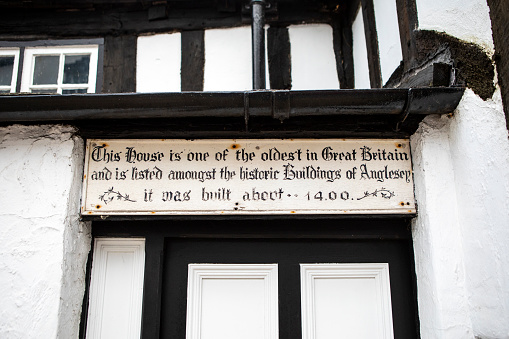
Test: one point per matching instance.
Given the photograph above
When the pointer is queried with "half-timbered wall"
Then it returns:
(461, 164)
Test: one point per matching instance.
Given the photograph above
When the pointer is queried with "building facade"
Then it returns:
(432, 74)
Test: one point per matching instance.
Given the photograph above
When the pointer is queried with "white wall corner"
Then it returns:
(480, 154)
(77, 243)
(38, 183)
(467, 20)
(439, 262)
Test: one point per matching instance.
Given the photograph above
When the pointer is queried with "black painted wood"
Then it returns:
(499, 13)
(343, 50)
(119, 64)
(193, 60)
(125, 19)
(261, 226)
(279, 55)
(152, 286)
(288, 254)
(408, 23)
(86, 295)
(269, 240)
(21, 60)
(375, 72)
(434, 75)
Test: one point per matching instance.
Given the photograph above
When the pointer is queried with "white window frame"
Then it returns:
(29, 63)
(15, 53)
(310, 273)
(102, 307)
(197, 273)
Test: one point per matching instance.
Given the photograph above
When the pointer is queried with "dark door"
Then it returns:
(174, 244)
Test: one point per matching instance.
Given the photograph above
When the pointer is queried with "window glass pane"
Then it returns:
(45, 91)
(4, 91)
(75, 90)
(76, 69)
(46, 69)
(6, 68)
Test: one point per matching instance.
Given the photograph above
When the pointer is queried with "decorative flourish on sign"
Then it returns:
(383, 193)
(111, 194)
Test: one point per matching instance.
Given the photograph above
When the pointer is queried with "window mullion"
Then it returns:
(60, 73)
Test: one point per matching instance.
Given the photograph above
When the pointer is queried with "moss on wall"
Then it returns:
(474, 68)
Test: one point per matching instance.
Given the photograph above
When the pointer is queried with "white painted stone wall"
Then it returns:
(468, 20)
(461, 245)
(44, 245)
(313, 59)
(461, 168)
(360, 53)
(158, 61)
(228, 59)
(228, 65)
(389, 44)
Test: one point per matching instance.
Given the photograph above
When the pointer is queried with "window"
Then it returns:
(9, 59)
(64, 70)
(50, 66)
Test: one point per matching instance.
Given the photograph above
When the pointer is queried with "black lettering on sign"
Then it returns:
(222, 194)
(385, 174)
(132, 156)
(146, 174)
(328, 154)
(105, 174)
(382, 155)
(176, 196)
(256, 195)
(101, 154)
(275, 155)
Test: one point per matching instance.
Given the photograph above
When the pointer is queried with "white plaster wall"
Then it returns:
(480, 153)
(158, 62)
(468, 20)
(44, 245)
(360, 53)
(228, 59)
(461, 168)
(389, 44)
(313, 59)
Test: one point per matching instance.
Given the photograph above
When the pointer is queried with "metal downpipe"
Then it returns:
(258, 42)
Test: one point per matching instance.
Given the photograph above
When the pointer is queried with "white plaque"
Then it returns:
(258, 176)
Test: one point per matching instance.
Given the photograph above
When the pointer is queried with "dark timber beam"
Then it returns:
(193, 60)
(119, 64)
(152, 290)
(279, 54)
(375, 72)
(407, 20)
(499, 13)
(118, 20)
(343, 49)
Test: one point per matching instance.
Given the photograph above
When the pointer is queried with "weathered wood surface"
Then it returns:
(193, 60)
(375, 72)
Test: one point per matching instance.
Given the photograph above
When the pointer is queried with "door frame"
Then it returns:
(383, 228)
